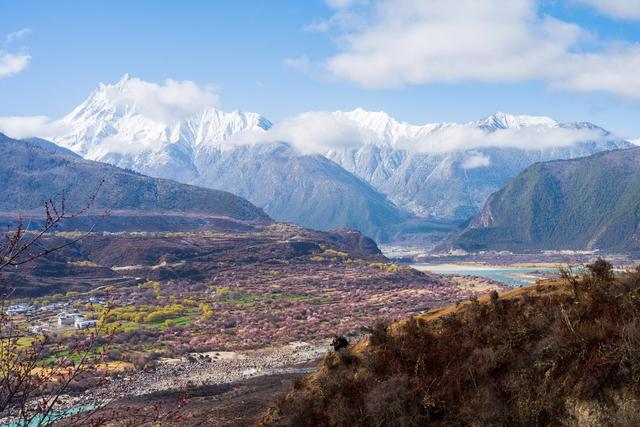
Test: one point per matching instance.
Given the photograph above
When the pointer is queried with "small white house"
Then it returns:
(35, 329)
(96, 300)
(19, 309)
(83, 323)
(69, 319)
(51, 307)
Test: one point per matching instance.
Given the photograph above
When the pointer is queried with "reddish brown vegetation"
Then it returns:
(545, 356)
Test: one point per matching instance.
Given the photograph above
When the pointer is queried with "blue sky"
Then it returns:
(241, 47)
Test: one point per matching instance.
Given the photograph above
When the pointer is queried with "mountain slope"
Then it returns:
(448, 170)
(587, 203)
(546, 355)
(33, 172)
(205, 149)
(440, 171)
(306, 189)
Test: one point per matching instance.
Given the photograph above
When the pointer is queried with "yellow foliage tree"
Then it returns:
(207, 311)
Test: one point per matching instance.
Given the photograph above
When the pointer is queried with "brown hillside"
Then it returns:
(562, 352)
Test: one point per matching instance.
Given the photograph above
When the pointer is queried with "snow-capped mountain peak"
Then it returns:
(133, 116)
(442, 170)
(502, 120)
(381, 122)
(378, 128)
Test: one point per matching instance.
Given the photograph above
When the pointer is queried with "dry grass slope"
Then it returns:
(561, 352)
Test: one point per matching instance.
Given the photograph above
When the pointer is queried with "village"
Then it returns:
(60, 316)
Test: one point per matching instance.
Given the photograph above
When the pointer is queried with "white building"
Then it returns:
(96, 300)
(35, 329)
(68, 319)
(51, 307)
(83, 323)
(19, 309)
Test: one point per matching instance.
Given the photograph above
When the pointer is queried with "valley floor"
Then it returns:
(213, 385)
(193, 310)
(239, 403)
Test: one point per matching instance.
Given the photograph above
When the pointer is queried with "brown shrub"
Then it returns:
(512, 361)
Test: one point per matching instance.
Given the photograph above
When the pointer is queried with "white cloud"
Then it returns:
(618, 9)
(302, 63)
(342, 19)
(460, 137)
(27, 126)
(323, 132)
(317, 27)
(317, 132)
(615, 70)
(17, 35)
(310, 132)
(411, 42)
(12, 63)
(166, 102)
(476, 160)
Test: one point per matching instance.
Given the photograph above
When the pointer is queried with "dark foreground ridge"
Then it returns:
(560, 352)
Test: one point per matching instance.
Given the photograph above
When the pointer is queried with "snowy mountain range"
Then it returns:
(448, 170)
(380, 172)
(109, 127)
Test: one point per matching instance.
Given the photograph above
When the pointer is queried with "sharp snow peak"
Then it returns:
(502, 120)
(133, 115)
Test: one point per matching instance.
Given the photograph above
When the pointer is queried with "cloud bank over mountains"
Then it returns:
(164, 105)
(325, 131)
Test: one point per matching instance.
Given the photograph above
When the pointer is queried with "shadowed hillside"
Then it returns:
(34, 171)
(563, 352)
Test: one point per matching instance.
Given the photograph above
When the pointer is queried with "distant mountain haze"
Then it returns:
(324, 170)
(415, 169)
